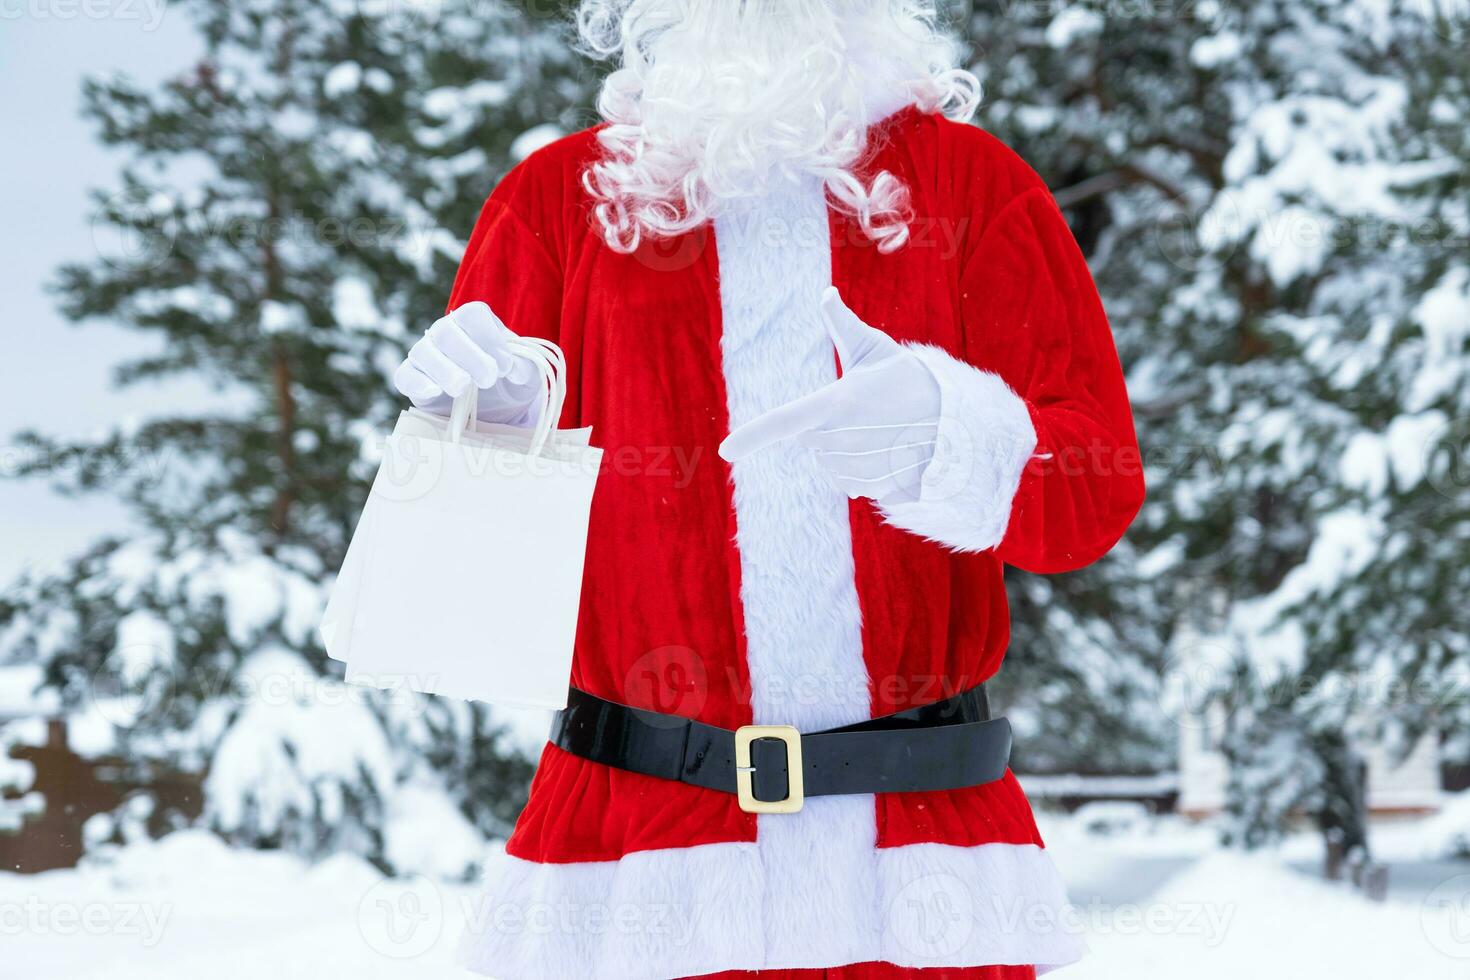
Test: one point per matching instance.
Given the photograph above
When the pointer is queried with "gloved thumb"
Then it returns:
(856, 342)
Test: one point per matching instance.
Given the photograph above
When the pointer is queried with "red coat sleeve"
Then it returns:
(509, 263)
(1031, 315)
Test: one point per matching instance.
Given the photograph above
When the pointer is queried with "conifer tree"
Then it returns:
(289, 219)
(1273, 199)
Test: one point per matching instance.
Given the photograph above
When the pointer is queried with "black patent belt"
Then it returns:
(949, 744)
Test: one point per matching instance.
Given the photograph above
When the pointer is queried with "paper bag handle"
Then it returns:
(552, 364)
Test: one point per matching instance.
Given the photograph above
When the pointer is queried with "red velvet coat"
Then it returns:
(993, 277)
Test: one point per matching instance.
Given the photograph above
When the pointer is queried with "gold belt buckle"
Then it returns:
(745, 772)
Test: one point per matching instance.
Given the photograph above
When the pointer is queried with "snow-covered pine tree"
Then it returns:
(290, 217)
(1369, 634)
(1272, 195)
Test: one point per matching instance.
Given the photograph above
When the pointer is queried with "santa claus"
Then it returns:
(847, 363)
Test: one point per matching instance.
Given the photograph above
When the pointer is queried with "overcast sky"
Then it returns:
(54, 375)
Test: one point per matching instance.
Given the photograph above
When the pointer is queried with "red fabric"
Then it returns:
(882, 971)
(992, 275)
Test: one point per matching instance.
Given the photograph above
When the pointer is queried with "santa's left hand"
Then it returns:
(874, 429)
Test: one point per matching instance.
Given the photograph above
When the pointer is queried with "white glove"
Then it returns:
(468, 347)
(874, 429)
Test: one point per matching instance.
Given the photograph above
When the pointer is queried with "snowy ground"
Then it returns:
(1159, 905)
(1170, 906)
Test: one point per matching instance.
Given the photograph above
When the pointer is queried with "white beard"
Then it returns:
(716, 102)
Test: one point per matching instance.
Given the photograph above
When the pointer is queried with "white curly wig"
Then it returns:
(713, 100)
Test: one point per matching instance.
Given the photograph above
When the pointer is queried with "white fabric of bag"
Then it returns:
(417, 605)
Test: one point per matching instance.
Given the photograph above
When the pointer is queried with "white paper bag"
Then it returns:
(464, 574)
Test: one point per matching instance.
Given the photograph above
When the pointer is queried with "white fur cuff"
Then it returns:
(985, 439)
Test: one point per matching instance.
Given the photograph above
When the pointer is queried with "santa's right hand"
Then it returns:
(471, 347)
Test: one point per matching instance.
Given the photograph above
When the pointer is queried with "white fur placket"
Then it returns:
(803, 627)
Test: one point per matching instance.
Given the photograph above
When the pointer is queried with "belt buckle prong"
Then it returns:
(745, 772)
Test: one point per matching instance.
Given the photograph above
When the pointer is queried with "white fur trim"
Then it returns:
(985, 439)
(666, 913)
(697, 910)
(803, 625)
